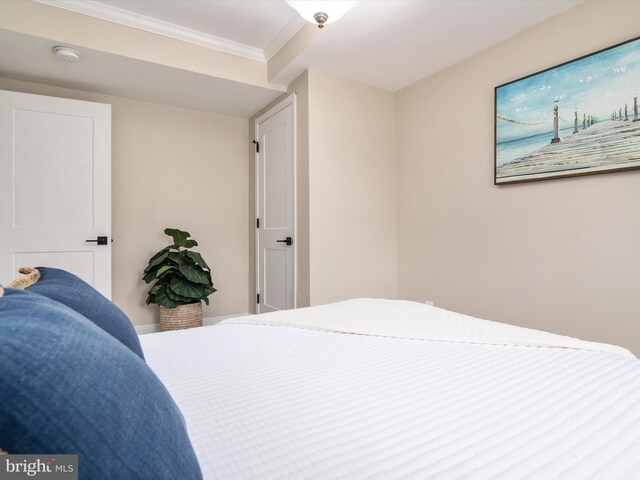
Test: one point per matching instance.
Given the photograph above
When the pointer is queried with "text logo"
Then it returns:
(49, 467)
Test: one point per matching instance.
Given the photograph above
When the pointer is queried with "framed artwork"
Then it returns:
(578, 118)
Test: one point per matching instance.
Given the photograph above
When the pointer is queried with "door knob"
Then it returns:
(288, 241)
(99, 241)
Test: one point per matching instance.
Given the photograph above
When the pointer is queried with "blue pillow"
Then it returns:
(66, 288)
(67, 387)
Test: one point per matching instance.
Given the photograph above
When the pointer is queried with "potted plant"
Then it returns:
(182, 281)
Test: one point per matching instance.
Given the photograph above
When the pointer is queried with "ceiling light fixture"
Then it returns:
(67, 54)
(321, 12)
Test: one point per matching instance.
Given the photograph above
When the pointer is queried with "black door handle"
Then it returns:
(288, 241)
(99, 241)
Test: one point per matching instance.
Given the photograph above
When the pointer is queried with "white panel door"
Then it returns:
(275, 207)
(55, 186)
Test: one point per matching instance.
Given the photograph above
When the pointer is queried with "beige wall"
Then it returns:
(559, 255)
(303, 274)
(352, 190)
(345, 190)
(173, 167)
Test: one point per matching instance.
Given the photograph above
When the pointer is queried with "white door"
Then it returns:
(55, 186)
(275, 207)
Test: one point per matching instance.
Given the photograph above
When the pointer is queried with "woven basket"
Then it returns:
(179, 318)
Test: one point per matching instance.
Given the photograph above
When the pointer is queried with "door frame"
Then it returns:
(289, 100)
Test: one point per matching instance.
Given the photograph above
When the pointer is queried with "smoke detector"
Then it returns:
(67, 54)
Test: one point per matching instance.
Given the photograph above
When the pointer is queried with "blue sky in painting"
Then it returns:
(595, 85)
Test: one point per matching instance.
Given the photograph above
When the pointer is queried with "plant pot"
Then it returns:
(182, 317)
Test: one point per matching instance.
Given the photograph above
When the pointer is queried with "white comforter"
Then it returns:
(284, 396)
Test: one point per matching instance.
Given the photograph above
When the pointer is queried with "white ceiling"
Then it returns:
(388, 44)
(251, 22)
(392, 44)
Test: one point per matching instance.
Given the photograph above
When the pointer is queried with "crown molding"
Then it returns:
(159, 27)
(283, 36)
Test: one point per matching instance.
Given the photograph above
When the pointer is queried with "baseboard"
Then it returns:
(155, 327)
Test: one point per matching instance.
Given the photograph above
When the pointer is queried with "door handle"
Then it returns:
(288, 241)
(99, 241)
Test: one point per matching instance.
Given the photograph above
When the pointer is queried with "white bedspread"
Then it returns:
(406, 319)
(271, 401)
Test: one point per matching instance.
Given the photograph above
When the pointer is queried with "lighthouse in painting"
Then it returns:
(556, 133)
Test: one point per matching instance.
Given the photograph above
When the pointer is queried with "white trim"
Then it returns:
(159, 27)
(280, 40)
(284, 103)
(295, 198)
(155, 327)
(257, 214)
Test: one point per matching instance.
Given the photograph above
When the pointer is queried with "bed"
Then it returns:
(383, 389)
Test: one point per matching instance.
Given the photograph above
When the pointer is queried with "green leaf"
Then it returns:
(194, 274)
(162, 270)
(163, 300)
(155, 289)
(186, 289)
(149, 277)
(177, 258)
(152, 274)
(208, 290)
(165, 279)
(178, 298)
(161, 252)
(190, 243)
(197, 258)
(156, 260)
(179, 236)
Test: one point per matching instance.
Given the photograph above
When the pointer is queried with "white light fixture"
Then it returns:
(67, 54)
(321, 12)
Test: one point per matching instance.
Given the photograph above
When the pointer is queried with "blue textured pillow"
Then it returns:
(66, 387)
(66, 288)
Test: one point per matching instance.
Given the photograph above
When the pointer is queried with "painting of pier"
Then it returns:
(578, 118)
